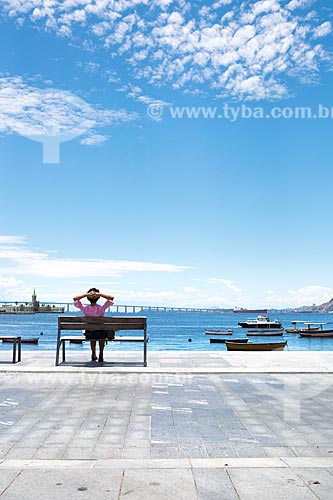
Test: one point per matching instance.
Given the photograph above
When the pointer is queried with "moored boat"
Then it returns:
(320, 333)
(229, 331)
(23, 341)
(323, 334)
(261, 322)
(223, 341)
(311, 327)
(265, 333)
(249, 346)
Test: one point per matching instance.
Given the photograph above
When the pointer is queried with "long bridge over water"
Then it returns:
(126, 308)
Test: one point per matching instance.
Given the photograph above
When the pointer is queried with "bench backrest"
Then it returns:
(102, 323)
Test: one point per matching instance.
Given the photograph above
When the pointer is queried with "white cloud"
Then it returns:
(94, 140)
(11, 288)
(299, 4)
(249, 52)
(220, 281)
(11, 239)
(323, 30)
(31, 111)
(305, 296)
(9, 282)
(18, 259)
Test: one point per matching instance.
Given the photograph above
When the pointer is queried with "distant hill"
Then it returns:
(322, 308)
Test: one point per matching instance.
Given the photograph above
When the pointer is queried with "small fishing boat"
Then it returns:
(310, 327)
(23, 341)
(222, 341)
(229, 331)
(320, 333)
(249, 346)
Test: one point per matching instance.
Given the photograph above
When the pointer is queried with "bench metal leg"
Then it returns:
(57, 354)
(19, 349)
(145, 349)
(14, 351)
(63, 351)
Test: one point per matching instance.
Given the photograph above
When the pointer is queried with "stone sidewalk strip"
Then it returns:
(164, 483)
(200, 362)
(167, 463)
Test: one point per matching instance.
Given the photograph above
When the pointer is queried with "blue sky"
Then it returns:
(155, 209)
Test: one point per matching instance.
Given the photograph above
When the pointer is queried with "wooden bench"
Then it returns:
(107, 323)
(16, 346)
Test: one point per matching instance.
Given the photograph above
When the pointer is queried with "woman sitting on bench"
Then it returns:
(94, 310)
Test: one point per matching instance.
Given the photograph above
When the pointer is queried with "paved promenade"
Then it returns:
(192, 425)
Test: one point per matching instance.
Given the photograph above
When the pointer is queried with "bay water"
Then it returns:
(168, 331)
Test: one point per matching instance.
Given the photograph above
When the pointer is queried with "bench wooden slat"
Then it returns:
(104, 319)
(133, 338)
(109, 326)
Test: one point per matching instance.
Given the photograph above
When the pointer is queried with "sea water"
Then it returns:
(168, 331)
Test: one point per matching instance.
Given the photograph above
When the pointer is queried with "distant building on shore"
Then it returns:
(31, 307)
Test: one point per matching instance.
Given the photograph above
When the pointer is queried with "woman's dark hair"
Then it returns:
(91, 300)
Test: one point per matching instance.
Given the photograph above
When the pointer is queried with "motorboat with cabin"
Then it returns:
(261, 322)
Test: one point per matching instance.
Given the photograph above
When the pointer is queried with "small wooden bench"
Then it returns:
(16, 346)
(107, 323)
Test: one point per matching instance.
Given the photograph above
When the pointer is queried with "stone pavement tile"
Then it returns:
(21, 453)
(161, 484)
(78, 453)
(310, 451)
(161, 450)
(105, 451)
(7, 477)
(188, 451)
(4, 450)
(270, 484)
(248, 450)
(133, 452)
(278, 451)
(220, 450)
(320, 481)
(214, 484)
(53, 452)
(58, 484)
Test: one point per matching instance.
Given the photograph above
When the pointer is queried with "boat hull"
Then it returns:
(246, 324)
(219, 332)
(23, 341)
(326, 334)
(223, 341)
(264, 333)
(267, 346)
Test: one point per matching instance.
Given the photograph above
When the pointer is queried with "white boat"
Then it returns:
(261, 322)
(219, 332)
(263, 332)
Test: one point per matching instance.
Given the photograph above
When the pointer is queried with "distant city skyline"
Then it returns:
(180, 185)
